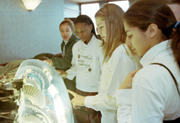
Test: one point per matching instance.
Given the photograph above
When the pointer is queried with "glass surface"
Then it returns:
(44, 97)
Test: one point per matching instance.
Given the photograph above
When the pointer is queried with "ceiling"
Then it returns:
(92, 1)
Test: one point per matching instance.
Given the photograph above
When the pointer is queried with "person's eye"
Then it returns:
(129, 36)
(101, 27)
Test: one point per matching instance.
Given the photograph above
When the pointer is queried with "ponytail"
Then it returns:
(175, 44)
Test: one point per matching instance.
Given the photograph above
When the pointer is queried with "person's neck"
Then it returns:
(87, 41)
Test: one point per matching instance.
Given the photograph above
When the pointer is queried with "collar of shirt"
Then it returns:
(152, 53)
(65, 42)
(90, 42)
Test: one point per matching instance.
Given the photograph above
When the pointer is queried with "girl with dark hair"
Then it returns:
(86, 66)
(116, 63)
(154, 34)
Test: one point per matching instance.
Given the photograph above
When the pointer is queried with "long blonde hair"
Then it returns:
(115, 34)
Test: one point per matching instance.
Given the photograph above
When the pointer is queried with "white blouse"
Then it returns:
(154, 96)
(113, 74)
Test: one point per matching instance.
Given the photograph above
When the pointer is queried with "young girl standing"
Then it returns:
(86, 66)
(116, 63)
(155, 96)
(66, 29)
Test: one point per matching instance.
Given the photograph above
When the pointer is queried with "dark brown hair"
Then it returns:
(172, 1)
(144, 12)
(86, 19)
(68, 21)
(115, 33)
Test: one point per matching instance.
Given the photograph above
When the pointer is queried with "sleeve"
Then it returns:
(65, 61)
(108, 101)
(123, 101)
(100, 57)
(121, 66)
(100, 102)
(71, 73)
(119, 70)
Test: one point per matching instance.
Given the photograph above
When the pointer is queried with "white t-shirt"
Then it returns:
(154, 96)
(113, 74)
(86, 65)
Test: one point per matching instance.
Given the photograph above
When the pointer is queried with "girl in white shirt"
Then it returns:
(86, 67)
(154, 97)
(116, 64)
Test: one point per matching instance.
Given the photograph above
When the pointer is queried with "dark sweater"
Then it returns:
(64, 63)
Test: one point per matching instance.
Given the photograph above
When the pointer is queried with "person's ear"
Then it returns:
(152, 30)
(91, 27)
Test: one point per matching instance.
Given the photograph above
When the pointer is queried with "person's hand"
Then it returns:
(49, 61)
(127, 84)
(62, 73)
(77, 101)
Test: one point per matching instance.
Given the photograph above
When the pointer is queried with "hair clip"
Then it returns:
(176, 25)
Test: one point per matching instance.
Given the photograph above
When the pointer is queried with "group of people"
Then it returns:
(130, 71)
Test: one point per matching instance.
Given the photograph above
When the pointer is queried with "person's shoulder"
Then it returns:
(153, 78)
(98, 42)
(78, 44)
(152, 73)
(120, 50)
(74, 38)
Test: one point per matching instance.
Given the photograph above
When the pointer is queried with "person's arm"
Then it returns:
(100, 57)
(123, 101)
(71, 73)
(120, 66)
(108, 101)
(100, 102)
(65, 61)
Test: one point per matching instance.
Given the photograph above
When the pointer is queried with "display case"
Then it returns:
(43, 97)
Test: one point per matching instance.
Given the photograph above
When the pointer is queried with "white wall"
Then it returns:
(24, 34)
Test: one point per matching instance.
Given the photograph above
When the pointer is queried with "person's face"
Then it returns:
(176, 10)
(83, 31)
(66, 31)
(136, 40)
(101, 27)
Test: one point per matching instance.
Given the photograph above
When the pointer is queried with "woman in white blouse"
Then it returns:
(154, 97)
(116, 65)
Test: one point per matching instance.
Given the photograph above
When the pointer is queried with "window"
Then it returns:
(123, 4)
(90, 10)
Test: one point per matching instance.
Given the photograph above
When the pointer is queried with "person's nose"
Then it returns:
(66, 33)
(100, 32)
(79, 35)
